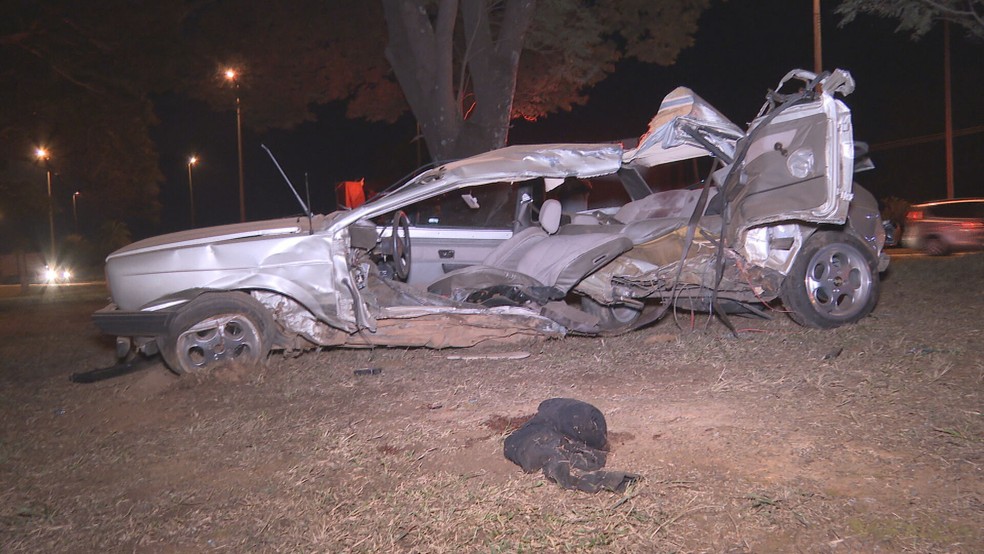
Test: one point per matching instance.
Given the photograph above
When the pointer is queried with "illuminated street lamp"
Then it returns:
(42, 154)
(233, 77)
(191, 188)
(75, 210)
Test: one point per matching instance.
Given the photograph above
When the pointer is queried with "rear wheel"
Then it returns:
(834, 281)
(610, 317)
(217, 328)
(935, 247)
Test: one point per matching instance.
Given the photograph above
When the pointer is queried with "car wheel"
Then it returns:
(217, 328)
(935, 247)
(834, 281)
(610, 317)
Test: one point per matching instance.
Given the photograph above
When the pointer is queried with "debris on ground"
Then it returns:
(568, 440)
(518, 355)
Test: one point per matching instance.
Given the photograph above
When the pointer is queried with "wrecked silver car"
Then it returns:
(501, 252)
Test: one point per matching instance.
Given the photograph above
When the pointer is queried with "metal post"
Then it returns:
(51, 219)
(817, 47)
(191, 191)
(75, 210)
(239, 141)
(948, 126)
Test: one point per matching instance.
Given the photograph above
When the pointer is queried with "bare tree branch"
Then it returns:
(54, 67)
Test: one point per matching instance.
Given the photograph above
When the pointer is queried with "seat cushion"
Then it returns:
(561, 261)
(550, 213)
(508, 253)
(558, 261)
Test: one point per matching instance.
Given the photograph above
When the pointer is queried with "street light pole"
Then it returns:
(42, 155)
(948, 111)
(191, 188)
(233, 77)
(51, 217)
(239, 144)
(75, 210)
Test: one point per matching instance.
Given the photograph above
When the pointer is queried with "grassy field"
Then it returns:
(868, 438)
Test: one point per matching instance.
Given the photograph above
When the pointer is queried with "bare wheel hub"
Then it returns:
(838, 280)
(220, 338)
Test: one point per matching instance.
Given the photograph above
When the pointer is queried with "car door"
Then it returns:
(799, 162)
(458, 229)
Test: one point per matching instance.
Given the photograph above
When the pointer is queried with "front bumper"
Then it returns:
(113, 321)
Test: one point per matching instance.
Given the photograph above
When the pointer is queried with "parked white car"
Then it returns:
(944, 226)
(501, 251)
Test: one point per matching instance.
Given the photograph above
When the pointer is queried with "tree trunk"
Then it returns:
(420, 51)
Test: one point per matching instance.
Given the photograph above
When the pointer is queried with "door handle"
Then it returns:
(445, 254)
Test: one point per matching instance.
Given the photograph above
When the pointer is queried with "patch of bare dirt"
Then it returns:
(868, 438)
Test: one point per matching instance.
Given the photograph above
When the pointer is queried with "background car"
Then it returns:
(945, 226)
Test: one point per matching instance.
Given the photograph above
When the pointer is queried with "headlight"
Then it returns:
(53, 275)
(800, 163)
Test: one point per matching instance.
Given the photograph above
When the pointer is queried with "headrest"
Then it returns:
(550, 216)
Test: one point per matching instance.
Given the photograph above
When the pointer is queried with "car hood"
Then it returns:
(222, 233)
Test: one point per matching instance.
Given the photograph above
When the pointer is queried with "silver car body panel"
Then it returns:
(799, 168)
(512, 163)
(668, 140)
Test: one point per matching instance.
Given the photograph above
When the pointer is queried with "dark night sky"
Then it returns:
(742, 48)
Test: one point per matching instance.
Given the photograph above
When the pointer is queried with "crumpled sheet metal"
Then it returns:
(568, 440)
(277, 255)
(652, 267)
(207, 235)
(421, 326)
(457, 329)
(759, 245)
(295, 264)
(666, 140)
(512, 163)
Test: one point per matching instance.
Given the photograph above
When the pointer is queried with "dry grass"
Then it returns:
(764, 443)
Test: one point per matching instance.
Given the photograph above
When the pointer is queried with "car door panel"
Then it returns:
(435, 249)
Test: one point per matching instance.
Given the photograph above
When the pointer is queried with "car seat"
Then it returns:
(536, 257)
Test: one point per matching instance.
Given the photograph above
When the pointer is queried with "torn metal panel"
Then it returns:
(650, 269)
(509, 164)
(799, 164)
(295, 263)
(454, 328)
(865, 219)
(671, 131)
(424, 326)
(775, 246)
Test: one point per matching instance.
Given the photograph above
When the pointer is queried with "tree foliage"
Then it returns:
(465, 68)
(917, 17)
(291, 57)
(80, 77)
(75, 84)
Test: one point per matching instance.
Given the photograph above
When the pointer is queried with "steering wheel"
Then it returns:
(401, 245)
